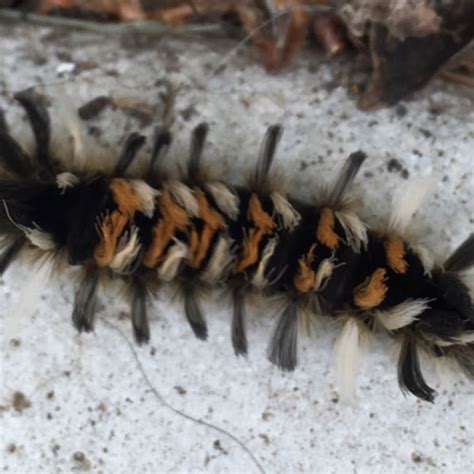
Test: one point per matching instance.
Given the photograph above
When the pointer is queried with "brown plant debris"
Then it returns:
(406, 41)
(401, 66)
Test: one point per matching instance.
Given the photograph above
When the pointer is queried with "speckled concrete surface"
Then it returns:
(85, 406)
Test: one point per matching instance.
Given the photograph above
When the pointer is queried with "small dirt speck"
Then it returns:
(401, 111)
(394, 165)
(303, 165)
(426, 133)
(82, 66)
(11, 448)
(218, 446)
(15, 342)
(188, 113)
(81, 461)
(64, 56)
(416, 457)
(94, 131)
(112, 73)
(436, 108)
(180, 390)
(20, 402)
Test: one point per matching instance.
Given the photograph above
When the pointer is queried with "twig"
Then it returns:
(463, 79)
(109, 28)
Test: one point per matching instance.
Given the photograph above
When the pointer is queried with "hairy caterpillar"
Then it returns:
(320, 259)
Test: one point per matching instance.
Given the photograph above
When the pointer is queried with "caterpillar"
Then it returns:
(319, 259)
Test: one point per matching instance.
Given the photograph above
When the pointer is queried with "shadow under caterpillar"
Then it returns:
(320, 258)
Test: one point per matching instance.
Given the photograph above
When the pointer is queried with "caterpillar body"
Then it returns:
(321, 259)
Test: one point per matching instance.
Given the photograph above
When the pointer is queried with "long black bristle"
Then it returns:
(197, 145)
(10, 253)
(267, 153)
(141, 328)
(462, 258)
(194, 314)
(85, 303)
(410, 377)
(3, 122)
(239, 339)
(12, 156)
(41, 125)
(456, 294)
(346, 177)
(464, 355)
(283, 345)
(133, 143)
(161, 143)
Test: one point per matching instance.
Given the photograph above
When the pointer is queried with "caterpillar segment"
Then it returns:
(320, 258)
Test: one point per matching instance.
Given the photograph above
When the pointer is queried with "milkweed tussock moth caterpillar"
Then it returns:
(320, 259)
